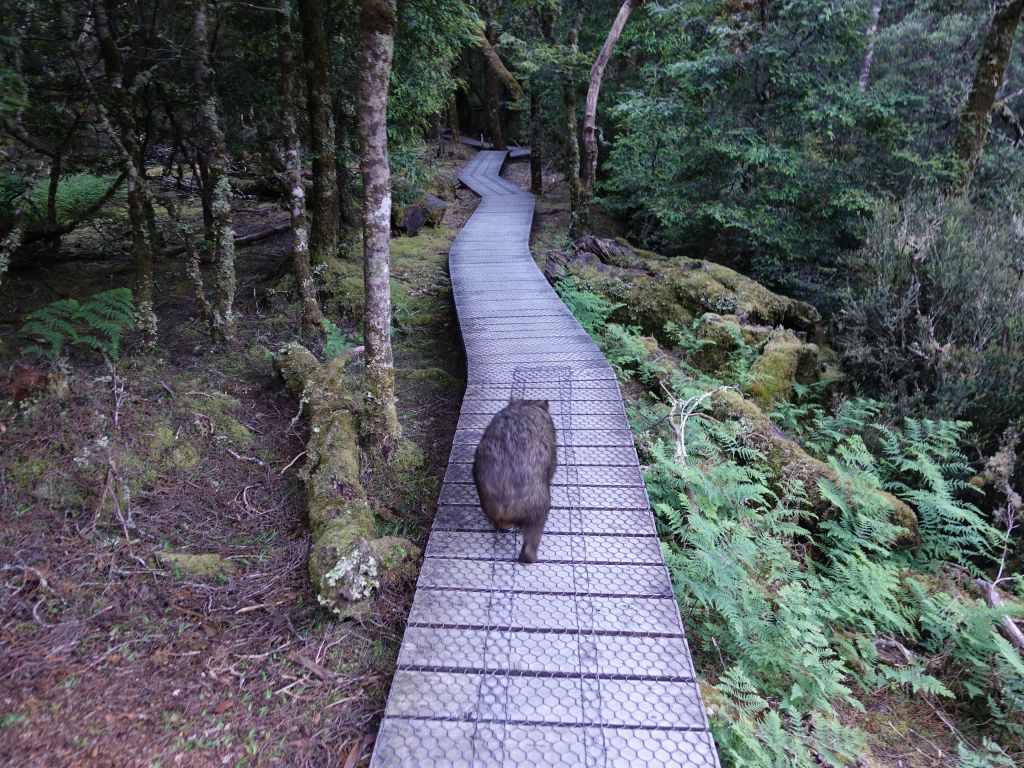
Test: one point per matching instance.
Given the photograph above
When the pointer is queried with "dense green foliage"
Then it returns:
(800, 617)
(749, 139)
(936, 321)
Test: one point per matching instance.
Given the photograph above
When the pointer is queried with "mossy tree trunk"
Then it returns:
(536, 169)
(492, 92)
(214, 152)
(323, 242)
(588, 168)
(572, 141)
(988, 79)
(377, 41)
(123, 133)
(312, 318)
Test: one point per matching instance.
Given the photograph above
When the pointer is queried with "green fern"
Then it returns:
(98, 323)
(592, 311)
(336, 341)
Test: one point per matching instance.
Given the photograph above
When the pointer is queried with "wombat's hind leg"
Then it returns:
(531, 540)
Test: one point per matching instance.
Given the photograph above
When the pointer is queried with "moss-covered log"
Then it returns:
(347, 559)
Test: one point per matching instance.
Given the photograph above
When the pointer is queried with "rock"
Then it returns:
(412, 218)
(655, 291)
(427, 209)
(196, 564)
(611, 252)
(434, 208)
(785, 359)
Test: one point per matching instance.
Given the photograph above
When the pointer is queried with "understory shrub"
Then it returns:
(934, 317)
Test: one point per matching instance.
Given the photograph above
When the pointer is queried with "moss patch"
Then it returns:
(197, 564)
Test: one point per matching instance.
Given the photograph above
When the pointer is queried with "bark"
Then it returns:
(312, 318)
(496, 65)
(453, 119)
(588, 168)
(323, 242)
(123, 133)
(572, 141)
(988, 78)
(536, 173)
(869, 54)
(15, 237)
(346, 559)
(377, 41)
(492, 92)
(214, 152)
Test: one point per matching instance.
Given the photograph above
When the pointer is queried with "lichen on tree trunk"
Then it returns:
(347, 559)
(572, 141)
(214, 151)
(377, 40)
(312, 318)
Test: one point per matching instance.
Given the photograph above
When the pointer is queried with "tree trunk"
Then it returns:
(572, 141)
(492, 92)
(536, 173)
(988, 78)
(869, 54)
(496, 65)
(323, 241)
(453, 119)
(14, 238)
(312, 319)
(377, 43)
(222, 235)
(126, 141)
(588, 169)
(51, 198)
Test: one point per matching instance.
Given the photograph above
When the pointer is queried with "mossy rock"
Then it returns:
(784, 460)
(197, 564)
(785, 359)
(646, 302)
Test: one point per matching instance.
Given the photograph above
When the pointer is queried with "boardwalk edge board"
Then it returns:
(579, 659)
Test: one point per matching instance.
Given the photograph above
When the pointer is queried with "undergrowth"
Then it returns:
(800, 618)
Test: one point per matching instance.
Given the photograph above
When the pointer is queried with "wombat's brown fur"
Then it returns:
(513, 467)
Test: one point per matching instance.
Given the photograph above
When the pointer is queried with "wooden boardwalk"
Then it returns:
(580, 658)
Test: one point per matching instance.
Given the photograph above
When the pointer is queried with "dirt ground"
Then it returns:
(112, 652)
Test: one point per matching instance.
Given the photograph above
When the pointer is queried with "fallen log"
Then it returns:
(255, 237)
(347, 559)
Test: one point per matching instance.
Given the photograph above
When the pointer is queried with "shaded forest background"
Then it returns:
(163, 161)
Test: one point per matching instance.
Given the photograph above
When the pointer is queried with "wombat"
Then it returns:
(513, 467)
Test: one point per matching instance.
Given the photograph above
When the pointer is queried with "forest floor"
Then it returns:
(115, 649)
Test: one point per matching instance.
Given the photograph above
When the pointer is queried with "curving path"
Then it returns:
(579, 659)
